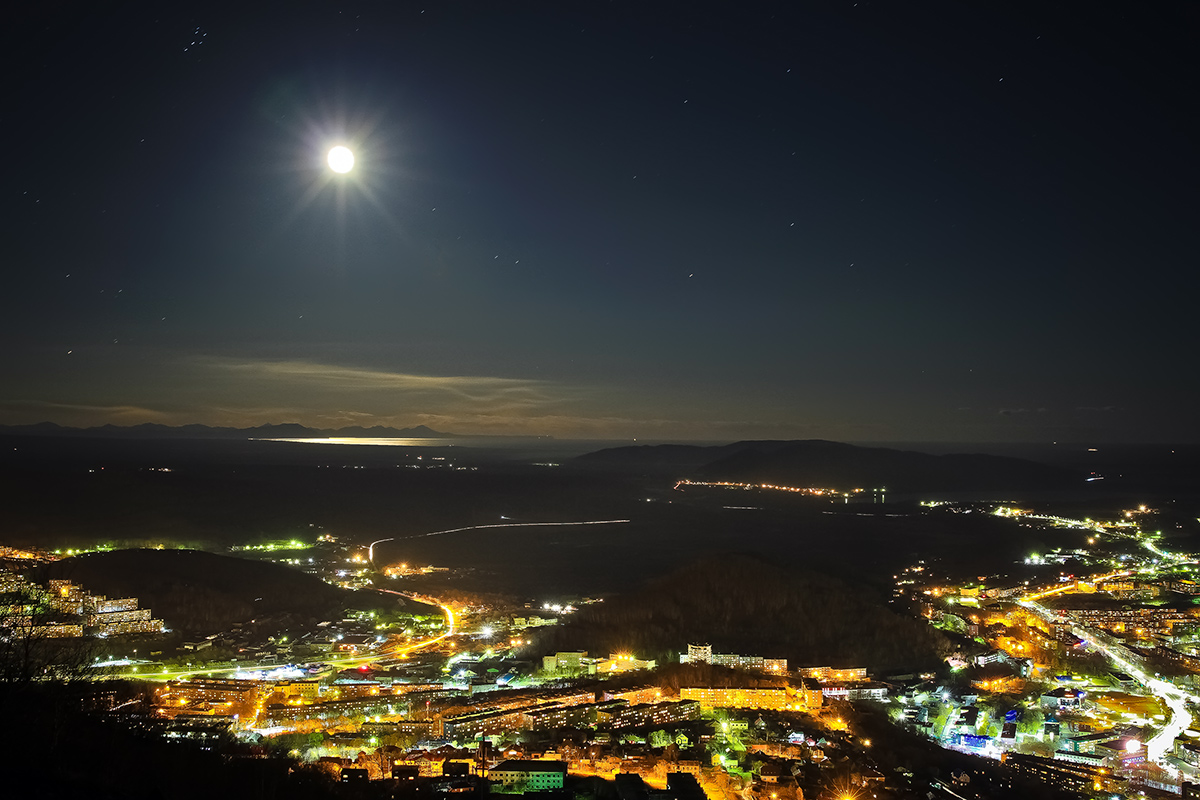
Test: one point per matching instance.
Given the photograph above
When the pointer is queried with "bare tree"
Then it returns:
(33, 646)
(43, 675)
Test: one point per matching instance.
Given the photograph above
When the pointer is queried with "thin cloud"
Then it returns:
(509, 392)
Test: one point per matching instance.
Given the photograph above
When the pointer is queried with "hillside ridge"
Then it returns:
(818, 462)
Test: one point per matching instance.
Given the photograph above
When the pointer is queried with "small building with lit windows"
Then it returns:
(1063, 697)
(529, 776)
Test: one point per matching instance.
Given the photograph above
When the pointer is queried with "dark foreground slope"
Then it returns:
(816, 462)
(89, 756)
(742, 604)
(194, 590)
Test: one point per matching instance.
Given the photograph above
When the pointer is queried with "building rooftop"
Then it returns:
(514, 765)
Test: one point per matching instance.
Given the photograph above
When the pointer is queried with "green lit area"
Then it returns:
(275, 546)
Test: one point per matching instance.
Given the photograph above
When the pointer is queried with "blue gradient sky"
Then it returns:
(856, 221)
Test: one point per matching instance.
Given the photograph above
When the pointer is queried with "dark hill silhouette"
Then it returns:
(661, 457)
(196, 591)
(741, 604)
(816, 462)
(822, 463)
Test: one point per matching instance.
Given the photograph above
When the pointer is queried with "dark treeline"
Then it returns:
(740, 604)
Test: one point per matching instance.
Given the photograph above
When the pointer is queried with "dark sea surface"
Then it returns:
(59, 492)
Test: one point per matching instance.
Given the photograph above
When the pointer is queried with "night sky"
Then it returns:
(921, 221)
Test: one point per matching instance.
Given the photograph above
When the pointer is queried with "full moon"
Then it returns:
(341, 159)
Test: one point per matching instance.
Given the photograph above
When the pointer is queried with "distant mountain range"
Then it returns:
(288, 430)
(815, 462)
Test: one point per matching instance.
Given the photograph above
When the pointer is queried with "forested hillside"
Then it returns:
(740, 604)
(197, 591)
